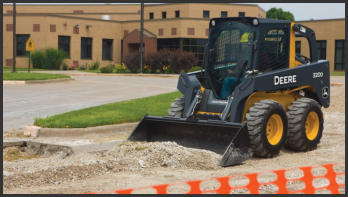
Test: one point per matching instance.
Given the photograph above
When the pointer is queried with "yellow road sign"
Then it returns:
(29, 46)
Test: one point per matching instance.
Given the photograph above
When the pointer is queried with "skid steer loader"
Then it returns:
(254, 95)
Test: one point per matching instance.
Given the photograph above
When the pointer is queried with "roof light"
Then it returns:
(302, 29)
(255, 21)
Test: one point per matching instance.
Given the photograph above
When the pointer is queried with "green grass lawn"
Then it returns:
(113, 113)
(9, 68)
(342, 73)
(24, 76)
(91, 71)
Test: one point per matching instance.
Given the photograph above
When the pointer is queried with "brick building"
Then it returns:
(106, 33)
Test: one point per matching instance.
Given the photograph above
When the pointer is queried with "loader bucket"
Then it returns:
(228, 139)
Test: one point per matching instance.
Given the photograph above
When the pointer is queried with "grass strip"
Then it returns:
(25, 76)
(342, 73)
(113, 113)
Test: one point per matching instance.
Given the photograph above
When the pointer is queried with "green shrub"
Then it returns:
(182, 61)
(147, 69)
(132, 62)
(65, 66)
(158, 60)
(167, 69)
(48, 58)
(195, 68)
(107, 69)
(171, 61)
(94, 66)
(54, 58)
(37, 59)
(121, 68)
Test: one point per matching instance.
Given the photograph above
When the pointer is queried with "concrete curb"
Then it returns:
(76, 132)
(124, 75)
(9, 143)
(12, 82)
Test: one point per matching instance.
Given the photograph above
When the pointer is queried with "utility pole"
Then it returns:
(141, 37)
(14, 38)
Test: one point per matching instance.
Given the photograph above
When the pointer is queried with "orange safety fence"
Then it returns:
(285, 181)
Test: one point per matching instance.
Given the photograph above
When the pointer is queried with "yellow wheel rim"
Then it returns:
(274, 129)
(312, 125)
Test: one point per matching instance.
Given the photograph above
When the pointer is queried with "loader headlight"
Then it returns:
(255, 22)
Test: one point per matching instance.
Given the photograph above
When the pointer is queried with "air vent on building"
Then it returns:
(106, 17)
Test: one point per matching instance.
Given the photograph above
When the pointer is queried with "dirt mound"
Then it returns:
(137, 155)
(126, 157)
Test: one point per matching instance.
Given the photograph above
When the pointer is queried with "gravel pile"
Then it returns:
(128, 156)
(138, 155)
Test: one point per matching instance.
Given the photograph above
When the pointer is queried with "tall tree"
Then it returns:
(278, 13)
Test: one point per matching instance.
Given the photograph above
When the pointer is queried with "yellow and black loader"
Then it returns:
(254, 95)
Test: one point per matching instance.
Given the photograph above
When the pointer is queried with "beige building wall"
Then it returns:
(329, 30)
(116, 12)
(125, 18)
(64, 27)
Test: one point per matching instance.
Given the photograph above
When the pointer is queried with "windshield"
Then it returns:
(230, 50)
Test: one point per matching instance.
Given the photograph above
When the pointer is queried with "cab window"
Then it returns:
(274, 50)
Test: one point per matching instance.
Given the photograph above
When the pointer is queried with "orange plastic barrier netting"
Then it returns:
(328, 181)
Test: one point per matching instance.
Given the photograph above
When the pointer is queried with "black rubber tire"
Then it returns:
(177, 108)
(297, 115)
(256, 120)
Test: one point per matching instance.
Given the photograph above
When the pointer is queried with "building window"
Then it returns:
(321, 45)
(21, 40)
(164, 15)
(64, 44)
(151, 15)
(241, 14)
(339, 55)
(206, 14)
(9, 27)
(223, 14)
(52, 28)
(107, 49)
(160, 31)
(298, 47)
(191, 31)
(173, 31)
(86, 48)
(9, 62)
(177, 14)
(36, 27)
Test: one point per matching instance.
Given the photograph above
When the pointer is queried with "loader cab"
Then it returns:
(229, 54)
(240, 47)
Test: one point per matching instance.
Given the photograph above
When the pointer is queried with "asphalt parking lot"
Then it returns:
(22, 103)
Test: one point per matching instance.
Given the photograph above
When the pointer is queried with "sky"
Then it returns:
(307, 11)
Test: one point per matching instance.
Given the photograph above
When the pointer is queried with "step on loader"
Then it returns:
(254, 95)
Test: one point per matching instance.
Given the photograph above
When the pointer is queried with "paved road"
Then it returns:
(22, 103)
